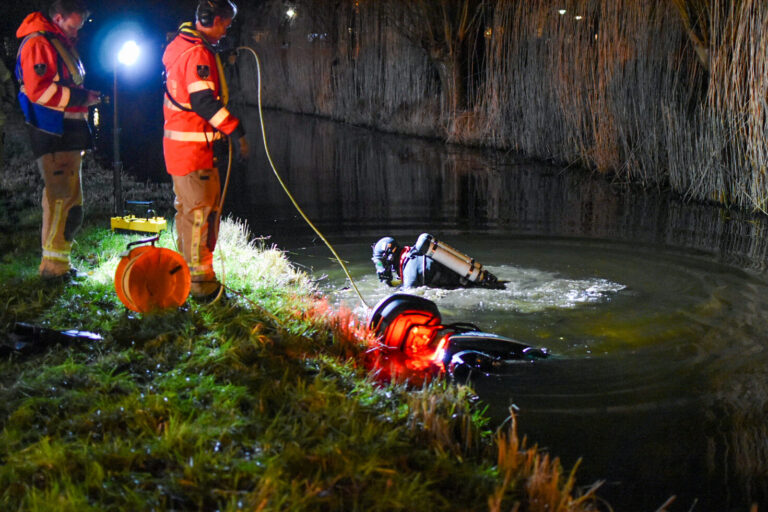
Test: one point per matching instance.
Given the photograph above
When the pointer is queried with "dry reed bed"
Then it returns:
(657, 92)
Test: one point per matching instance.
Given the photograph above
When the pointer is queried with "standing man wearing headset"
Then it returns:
(196, 115)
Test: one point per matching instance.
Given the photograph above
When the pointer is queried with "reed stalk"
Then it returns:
(657, 93)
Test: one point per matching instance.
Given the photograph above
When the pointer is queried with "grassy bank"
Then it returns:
(261, 402)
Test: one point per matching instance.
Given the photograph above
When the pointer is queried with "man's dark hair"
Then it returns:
(67, 7)
(207, 10)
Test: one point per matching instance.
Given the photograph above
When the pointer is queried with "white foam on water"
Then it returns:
(527, 290)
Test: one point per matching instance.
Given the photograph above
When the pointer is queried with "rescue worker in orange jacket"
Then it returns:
(196, 115)
(55, 105)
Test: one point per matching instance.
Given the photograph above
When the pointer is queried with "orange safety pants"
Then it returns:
(62, 209)
(197, 225)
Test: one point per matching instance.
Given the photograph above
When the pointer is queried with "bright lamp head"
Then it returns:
(129, 53)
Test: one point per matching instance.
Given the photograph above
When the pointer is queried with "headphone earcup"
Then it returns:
(205, 12)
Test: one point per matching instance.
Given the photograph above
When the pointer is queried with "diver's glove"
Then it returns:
(385, 277)
(492, 282)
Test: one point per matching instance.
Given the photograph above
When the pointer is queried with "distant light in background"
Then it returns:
(121, 36)
(488, 33)
(129, 53)
(96, 117)
(562, 11)
(291, 13)
(578, 18)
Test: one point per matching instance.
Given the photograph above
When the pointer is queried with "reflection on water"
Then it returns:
(654, 309)
(351, 179)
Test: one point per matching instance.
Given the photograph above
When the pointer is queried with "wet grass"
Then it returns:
(260, 402)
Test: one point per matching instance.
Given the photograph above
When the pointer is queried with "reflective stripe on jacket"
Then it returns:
(50, 75)
(195, 81)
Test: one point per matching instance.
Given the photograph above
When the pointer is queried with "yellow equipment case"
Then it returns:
(135, 224)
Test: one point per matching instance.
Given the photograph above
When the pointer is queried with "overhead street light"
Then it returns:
(128, 55)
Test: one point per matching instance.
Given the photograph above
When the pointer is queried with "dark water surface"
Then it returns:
(654, 309)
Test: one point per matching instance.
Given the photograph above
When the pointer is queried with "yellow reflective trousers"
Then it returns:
(62, 209)
(197, 225)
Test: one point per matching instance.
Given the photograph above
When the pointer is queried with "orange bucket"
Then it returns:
(150, 278)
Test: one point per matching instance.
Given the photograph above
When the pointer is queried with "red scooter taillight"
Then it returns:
(410, 329)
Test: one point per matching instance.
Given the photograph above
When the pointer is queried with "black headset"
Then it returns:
(207, 10)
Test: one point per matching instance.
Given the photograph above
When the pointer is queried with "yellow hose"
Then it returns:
(285, 188)
(221, 205)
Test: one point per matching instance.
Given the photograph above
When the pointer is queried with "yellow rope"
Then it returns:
(221, 205)
(282, 184)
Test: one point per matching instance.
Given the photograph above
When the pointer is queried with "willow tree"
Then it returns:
(446, 30)
(696, 18)
(731, 41)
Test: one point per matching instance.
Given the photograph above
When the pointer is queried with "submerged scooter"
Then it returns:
(412, 326)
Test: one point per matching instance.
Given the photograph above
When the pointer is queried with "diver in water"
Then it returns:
(428, 263)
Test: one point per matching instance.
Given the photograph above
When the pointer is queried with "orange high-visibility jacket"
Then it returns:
(196, 113)
(50, 71)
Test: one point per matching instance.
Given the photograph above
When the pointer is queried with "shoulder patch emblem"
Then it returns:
(40, 69)
(203, 71)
